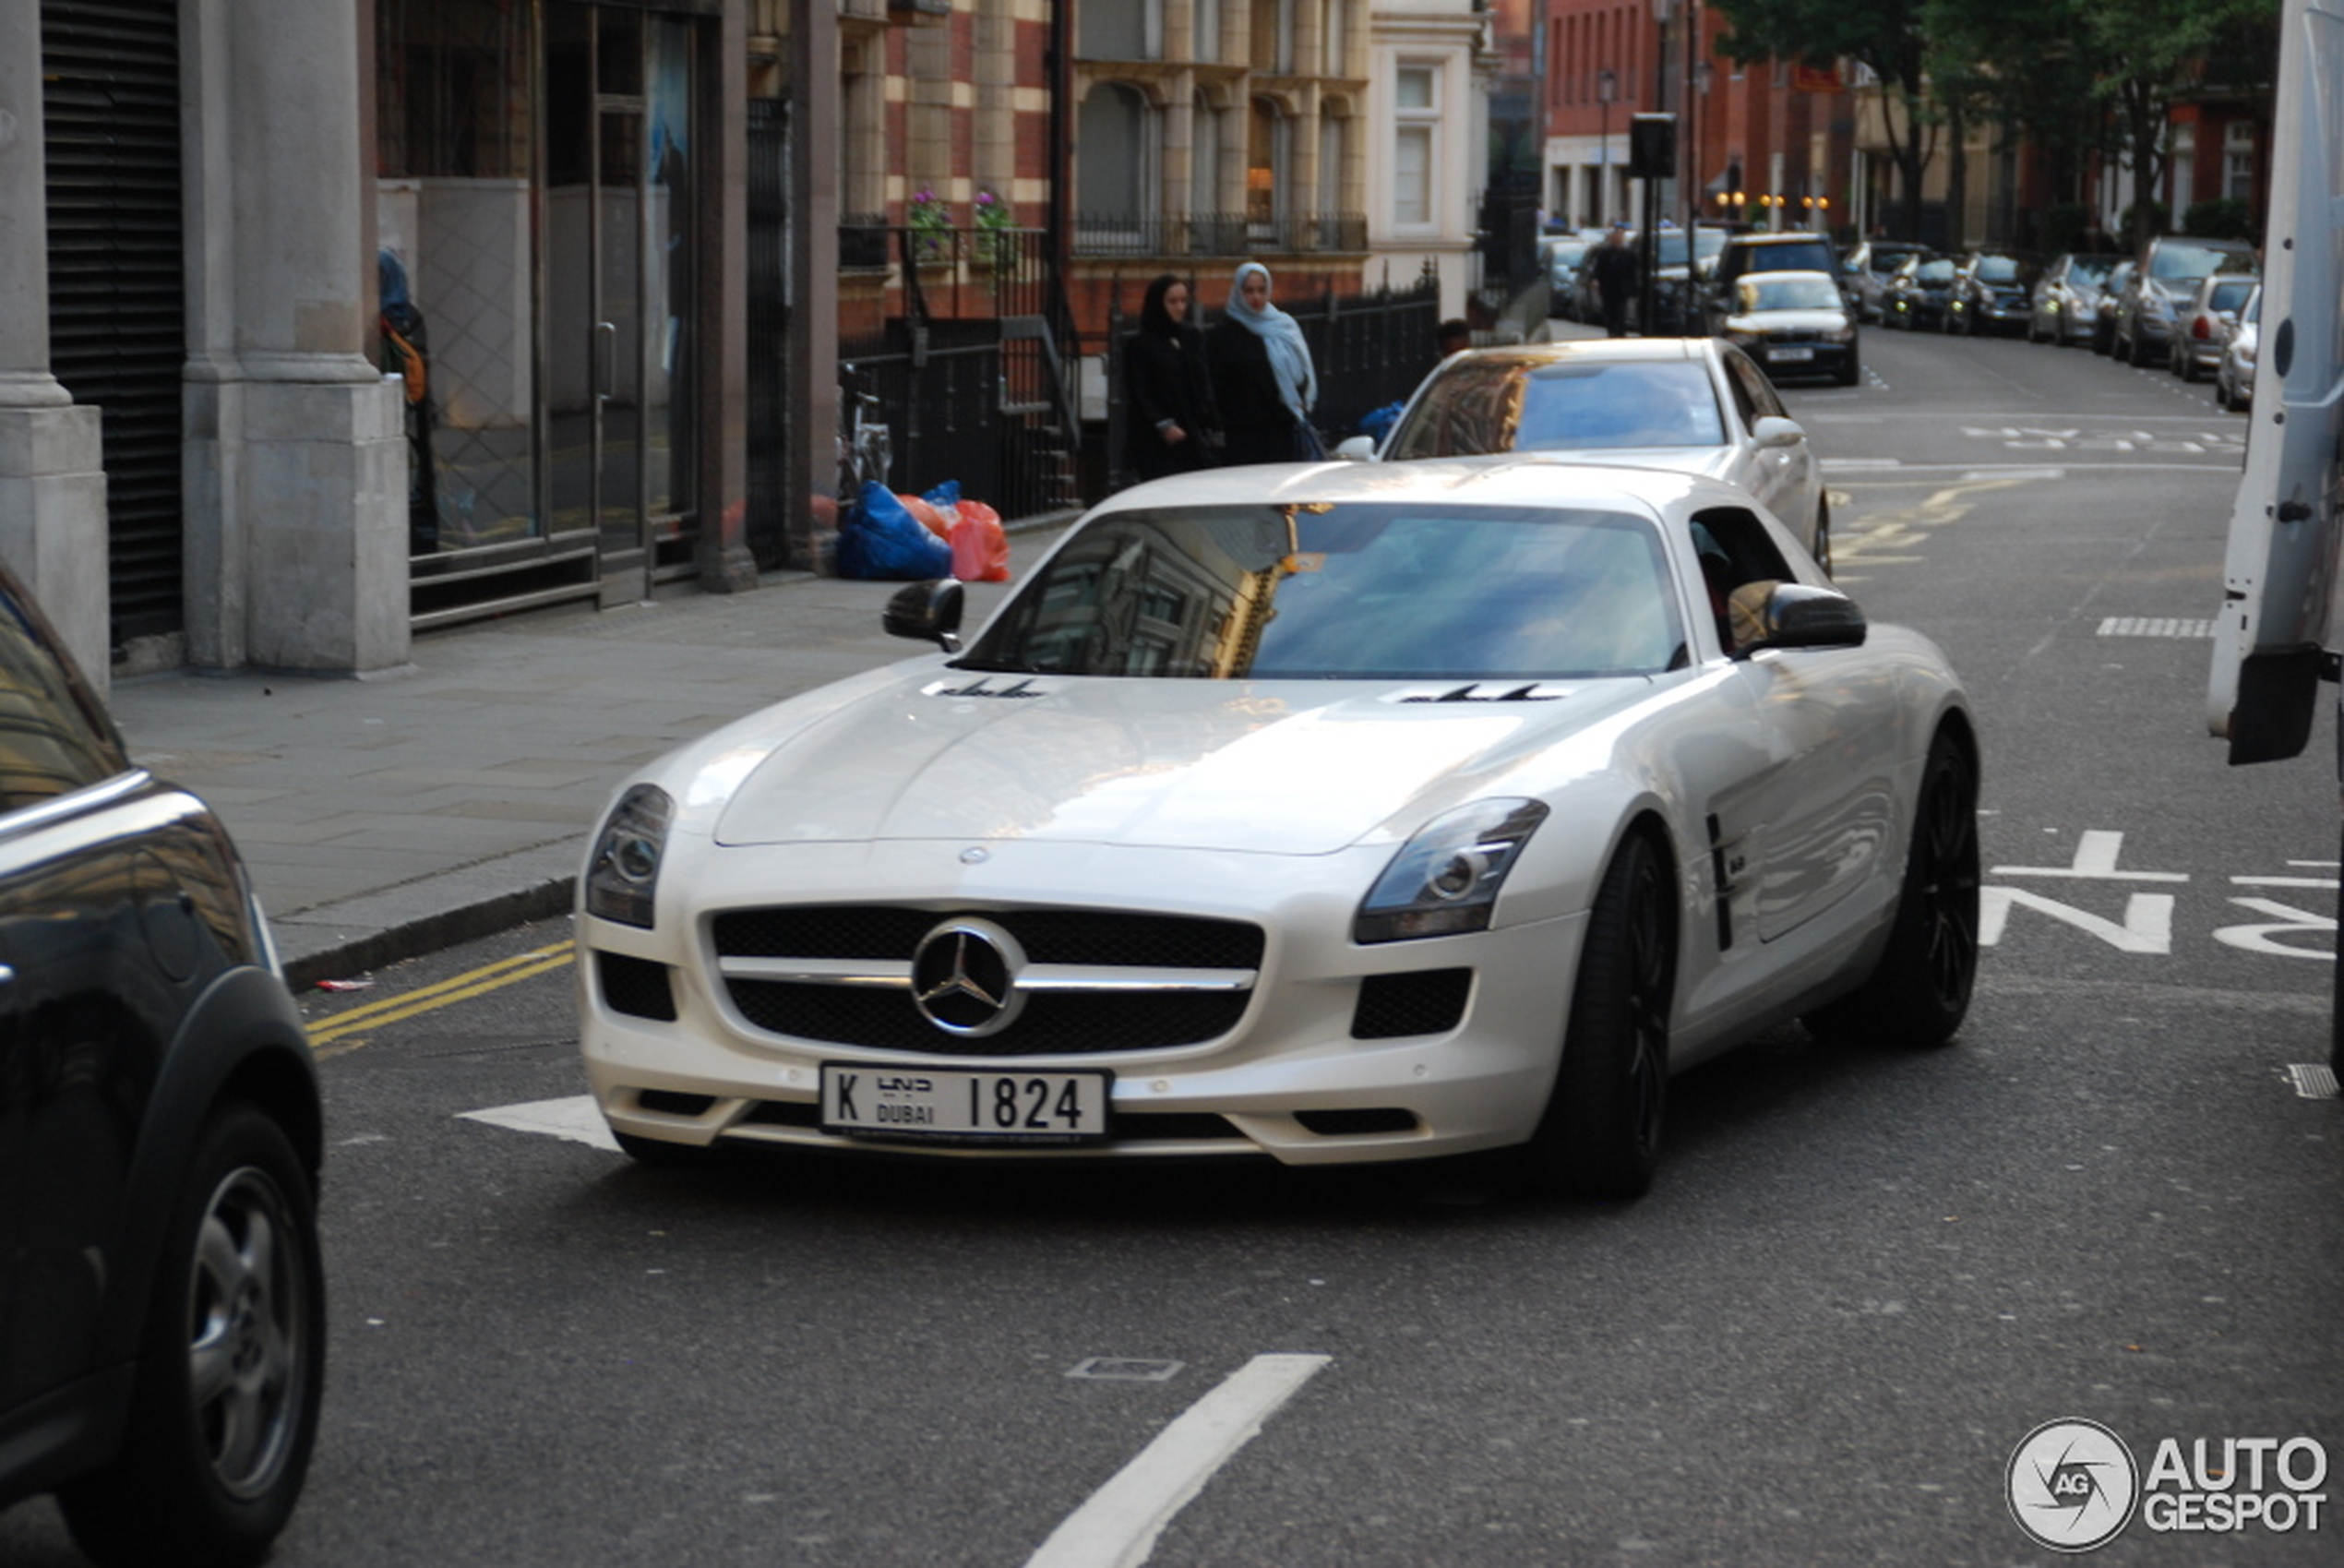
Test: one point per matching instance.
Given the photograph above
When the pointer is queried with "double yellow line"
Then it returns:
(325, 1034)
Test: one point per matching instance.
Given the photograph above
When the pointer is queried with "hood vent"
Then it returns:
(983, 685)
(1479, 692)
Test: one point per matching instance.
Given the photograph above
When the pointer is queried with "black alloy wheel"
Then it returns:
(1918, 995)
(1601, 1134)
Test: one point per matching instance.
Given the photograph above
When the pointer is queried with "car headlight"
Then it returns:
(1446, 877)
(1839, 334)
(622, 879)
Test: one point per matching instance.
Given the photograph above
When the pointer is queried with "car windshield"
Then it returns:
(2174, 262)
(1788, 294)
(1999, 269)
(1937, 269)
(2230, 294)
(1477, 406)
(2089, 268)
(1379, 591)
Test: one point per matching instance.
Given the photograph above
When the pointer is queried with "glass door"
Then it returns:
(620, 277)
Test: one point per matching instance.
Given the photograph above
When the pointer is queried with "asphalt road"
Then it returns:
(1861, 1281)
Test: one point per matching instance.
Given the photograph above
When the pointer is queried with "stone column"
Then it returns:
(296, 506)
(53, 482)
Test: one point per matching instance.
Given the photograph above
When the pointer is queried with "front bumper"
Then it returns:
(1290, 1079)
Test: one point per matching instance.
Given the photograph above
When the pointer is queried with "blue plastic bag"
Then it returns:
(883, 541)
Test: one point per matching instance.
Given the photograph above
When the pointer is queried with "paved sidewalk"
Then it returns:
(389, 817)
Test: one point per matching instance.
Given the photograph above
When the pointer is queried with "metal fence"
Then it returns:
(1216, 234)
(1368, 349)
(974, 375)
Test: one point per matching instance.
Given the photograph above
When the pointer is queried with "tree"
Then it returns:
(1884, 36)
(2152, 52)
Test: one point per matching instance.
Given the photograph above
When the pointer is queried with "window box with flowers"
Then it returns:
(931, 222)
(996, 231)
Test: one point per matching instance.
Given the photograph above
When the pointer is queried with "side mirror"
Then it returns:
(1774, 430)
(925, 612)
(1793, 615)
(1355, 448)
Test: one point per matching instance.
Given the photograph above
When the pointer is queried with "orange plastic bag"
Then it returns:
(930, 518)
(980, 545)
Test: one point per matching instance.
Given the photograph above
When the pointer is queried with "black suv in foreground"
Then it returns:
(163, 1327)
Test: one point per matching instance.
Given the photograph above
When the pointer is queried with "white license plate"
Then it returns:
(1791, 356)
(952, 1105)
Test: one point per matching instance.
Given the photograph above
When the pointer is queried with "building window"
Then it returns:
(1205, 31)
(2238, 160)
(1268, 161)
(1415, 103)
(1119, 30)
(1273, 36)
(1204, 158)
(1113, 187)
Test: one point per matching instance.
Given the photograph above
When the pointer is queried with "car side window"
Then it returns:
(1752, 393)
(52, 742)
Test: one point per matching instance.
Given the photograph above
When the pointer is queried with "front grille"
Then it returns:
(1048, 936)
(883, 1016)
(886, 1020)
(1425, 1001)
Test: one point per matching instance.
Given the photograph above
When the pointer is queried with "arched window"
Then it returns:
(1269, 162)
(1204, 158)
(1114, 189)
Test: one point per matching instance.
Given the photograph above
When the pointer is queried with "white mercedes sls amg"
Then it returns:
(1332, 813)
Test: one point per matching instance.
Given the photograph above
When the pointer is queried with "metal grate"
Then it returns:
(1072, 1023)
(636, 987)
(117, 307)
(1429, 1002)
(1048, 936)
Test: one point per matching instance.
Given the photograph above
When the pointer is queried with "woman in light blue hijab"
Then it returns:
(1261, 375)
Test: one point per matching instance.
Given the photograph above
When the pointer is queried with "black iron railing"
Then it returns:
(1216, 234)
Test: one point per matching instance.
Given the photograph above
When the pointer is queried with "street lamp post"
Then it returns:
(1607, 90)
(1648, 313)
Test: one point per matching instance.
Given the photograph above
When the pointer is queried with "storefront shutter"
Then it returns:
(117, 335)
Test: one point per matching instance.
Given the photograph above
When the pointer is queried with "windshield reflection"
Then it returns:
(1353, 592)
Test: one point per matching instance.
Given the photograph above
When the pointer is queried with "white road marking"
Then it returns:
(1118, 1525)
(574, 1119)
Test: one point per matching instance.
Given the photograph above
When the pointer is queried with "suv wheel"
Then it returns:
(232, 1361)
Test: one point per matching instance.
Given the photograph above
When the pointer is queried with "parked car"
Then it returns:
(2172, 265)
(1335, 813)
(1697, 405)
(2111, 295)
(1918, 293)
(1564, 254)
(1686, 261)
(1868, 269)
(1794, 324)
(2234, 377)
(162, 1329)
(1791, 250)
(2064, 303)
(1991, 292)
(2205, 324)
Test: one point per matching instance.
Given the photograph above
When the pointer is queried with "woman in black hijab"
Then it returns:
(1170, 420)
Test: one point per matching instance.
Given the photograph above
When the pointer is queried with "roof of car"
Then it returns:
(1503, 479)
(1623, 349)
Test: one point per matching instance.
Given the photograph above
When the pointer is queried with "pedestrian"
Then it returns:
(1170, 420)
(1261, 377)
(1617, 272)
